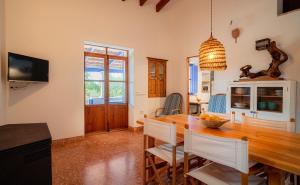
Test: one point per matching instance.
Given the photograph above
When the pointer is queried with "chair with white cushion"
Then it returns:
(230, 160)
(288, 126)
(169, 152)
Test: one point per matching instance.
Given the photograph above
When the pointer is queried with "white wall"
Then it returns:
(257, 20)
(56, 30)
(2, 76)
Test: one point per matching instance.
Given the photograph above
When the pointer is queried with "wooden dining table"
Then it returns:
(279, 151)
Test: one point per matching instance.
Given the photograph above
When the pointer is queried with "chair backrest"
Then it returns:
(289, 126)
(173, 102)
(160, 130)
(217, 103)
(226, 151)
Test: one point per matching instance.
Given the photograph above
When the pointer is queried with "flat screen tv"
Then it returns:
(285, 6)
(25, 68)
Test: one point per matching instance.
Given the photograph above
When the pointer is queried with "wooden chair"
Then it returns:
(169, 152)
(288, 126)
(217, 103)
(173, 105)
(229, 156)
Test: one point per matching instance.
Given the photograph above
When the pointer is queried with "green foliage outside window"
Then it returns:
(94, 89)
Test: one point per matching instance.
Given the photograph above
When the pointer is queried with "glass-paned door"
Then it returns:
(241, 98)
(271, 102)
(106, 87)
(117, 80)
(270, 99)
(94, 80)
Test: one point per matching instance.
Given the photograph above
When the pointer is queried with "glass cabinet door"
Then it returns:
(270, 99)
(161, 71)
(152, 72)
(241, 98)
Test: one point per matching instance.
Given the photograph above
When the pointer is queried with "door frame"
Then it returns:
(106, 58)
(187, 61)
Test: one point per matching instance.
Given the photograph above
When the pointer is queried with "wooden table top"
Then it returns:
(274, 148)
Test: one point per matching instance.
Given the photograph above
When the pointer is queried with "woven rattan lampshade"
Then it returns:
(212, 54)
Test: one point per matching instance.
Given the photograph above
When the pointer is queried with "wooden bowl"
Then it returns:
(214, 124)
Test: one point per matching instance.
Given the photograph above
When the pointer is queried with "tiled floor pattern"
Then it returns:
(113, 158)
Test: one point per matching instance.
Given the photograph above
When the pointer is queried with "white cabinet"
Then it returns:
(271, 100)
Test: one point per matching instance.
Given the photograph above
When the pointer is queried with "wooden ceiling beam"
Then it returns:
(161, 4)
(142, 2)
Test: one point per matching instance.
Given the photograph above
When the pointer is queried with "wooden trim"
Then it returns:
(142, 2)
(106, 80)
(157, 59)
(188, 82)
(90, 54)
(188, 86)
(106, 90)
(117, 57)
(174, 165)
(136, 129)
(186, 167)
(145, 160)
(161, 4)
(67, 140)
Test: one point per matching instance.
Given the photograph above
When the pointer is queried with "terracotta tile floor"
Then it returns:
(102, 159)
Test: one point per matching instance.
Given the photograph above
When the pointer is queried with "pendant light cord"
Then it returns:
(211, 17)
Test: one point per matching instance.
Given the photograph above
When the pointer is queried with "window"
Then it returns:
(105, 75)
(94, 80)
(156, 77)
(193, 79)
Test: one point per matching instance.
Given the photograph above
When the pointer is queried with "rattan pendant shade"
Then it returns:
(212, 54)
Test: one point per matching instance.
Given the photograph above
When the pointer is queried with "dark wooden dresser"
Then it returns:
(25, 154)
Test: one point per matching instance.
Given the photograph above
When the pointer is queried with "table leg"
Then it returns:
(275, 176)
(150, 144)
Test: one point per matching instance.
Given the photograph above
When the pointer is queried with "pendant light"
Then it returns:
(212, 53)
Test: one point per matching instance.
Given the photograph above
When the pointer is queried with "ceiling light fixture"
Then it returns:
(212, 52)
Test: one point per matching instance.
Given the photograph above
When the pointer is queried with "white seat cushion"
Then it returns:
(217, 174)
(165, 153)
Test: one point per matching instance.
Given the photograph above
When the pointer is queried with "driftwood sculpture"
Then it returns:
(278, 58)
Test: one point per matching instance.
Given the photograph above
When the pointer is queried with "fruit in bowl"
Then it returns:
(212, 121)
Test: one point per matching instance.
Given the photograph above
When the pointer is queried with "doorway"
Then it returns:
(105, 88)
(199, 85)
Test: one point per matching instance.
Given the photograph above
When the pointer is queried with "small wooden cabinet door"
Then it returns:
(152, 79)
(161, 79)
(157, 77)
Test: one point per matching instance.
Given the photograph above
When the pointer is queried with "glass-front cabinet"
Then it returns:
(240, 100)
(241, 97)
(271, 100)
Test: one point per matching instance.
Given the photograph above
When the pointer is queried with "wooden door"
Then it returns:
(117, 92)
(95, 119)
(106, 89)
